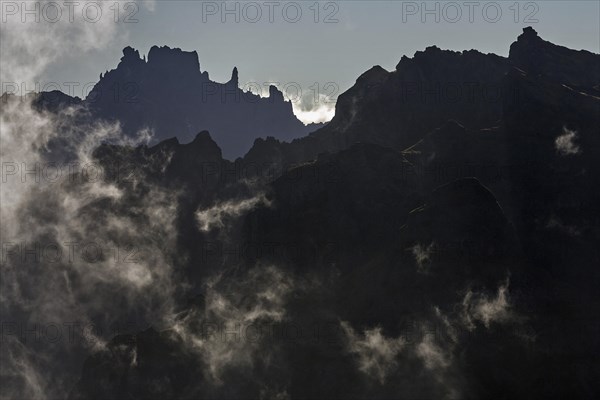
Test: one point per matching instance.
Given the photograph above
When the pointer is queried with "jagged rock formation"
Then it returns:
(170, 95)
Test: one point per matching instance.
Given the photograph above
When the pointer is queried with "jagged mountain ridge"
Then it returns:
(468, 87)
(170, 94)
(382, 107)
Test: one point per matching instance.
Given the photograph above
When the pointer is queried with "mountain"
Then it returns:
(577, 69)
(169, 94)
(423, 247)
(385, 107)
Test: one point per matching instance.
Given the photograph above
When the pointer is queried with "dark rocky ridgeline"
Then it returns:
(396, 109)
(478, 215)
(388, 108)
(577, 69)
(169, 94)
(55, 100)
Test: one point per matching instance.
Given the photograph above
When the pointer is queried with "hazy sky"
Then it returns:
(358, 35)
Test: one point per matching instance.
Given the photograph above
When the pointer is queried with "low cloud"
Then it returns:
(377, 354)
(565, 144)
(217, 216)
(322, 113)
(314, 109)
(226, 332)
(423, 256)
(432, 354)
(482, 308)
(111, 248)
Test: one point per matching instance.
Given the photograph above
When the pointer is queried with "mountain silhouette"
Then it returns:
(170, 95)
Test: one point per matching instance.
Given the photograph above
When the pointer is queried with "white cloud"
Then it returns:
(565, 144)
(228, 332)
(479, 307)
(29, 47)
(68, 215)
(377, 354)
(423, 256)
(217, 215)
(432, 354)
(324, 112)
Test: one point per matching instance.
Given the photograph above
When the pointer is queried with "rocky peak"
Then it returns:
(275, 94)
(173, 59)
(528, 32)
(527, 41)
(434, 58)
(131, 56)
(375, 75)
(577, 69)
(203, 139)
(234, 77)
(432, 49)
(203, 145)
(130, 53)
